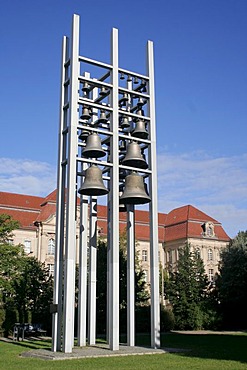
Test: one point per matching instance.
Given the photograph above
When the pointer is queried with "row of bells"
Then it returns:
(140, 125)
(133, 158)
(135, 191)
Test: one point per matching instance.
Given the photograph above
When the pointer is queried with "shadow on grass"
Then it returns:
(32, 344)
(231, 347)
(209, 346)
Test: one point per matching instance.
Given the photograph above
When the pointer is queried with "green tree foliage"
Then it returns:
(186, 290)
(7, 225)
(231, 284)
(25, 285)
(33, 292)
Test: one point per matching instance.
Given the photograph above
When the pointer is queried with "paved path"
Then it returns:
(100, 350)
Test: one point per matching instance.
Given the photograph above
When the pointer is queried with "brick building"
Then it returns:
(37, 218)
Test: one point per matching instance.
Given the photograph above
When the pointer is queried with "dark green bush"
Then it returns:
(167, 320)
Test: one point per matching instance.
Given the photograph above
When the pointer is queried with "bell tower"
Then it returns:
(107, 148)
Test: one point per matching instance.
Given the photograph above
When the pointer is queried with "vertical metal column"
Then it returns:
(114, 202)
(83, 254)
(70, 247)
(108, 274)
(82, 294)
(131, 276)
(92, 272)
(153, 209)
(60, 204)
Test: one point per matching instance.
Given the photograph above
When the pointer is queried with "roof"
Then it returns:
(142, 229)
(186, 222)
(181, 223)
(20, 200)
(23, 208)
(187, 213)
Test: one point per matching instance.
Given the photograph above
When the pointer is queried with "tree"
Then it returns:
(231, 284)
(186, 289)
(25, 285)
(7, 225)
(33, 293)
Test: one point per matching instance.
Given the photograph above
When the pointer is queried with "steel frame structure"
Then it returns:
(70, 176)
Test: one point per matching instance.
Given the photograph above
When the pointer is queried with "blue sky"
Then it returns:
(201, 93)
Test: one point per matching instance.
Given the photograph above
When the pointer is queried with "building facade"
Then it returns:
(187, 224)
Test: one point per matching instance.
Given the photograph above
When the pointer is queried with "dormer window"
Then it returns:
(208, 229)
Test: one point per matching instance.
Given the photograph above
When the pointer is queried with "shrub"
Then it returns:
(167, 319)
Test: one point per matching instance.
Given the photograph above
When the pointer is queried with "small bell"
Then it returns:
(83, 135)
(140, 103)
(139, 112)
(124, 99)
(102, 118)
(122, 76)
(125, 122)
(136, 80)
(103, 91)
(129, 78)
(85, 113)
(122, 146)
(93, 182)
(86, 87)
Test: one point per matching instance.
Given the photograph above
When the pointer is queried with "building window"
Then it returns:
(27, 246)
(198, 253)
(51, 247)
(211, 275)
(144, 255)
(210, 255)
(170, 256)
(51, 269)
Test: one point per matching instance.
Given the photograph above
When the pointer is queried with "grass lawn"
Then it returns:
(202, 351)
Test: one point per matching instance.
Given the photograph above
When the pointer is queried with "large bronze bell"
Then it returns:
(93, 148)
(134, 157)
(134, 191)
(93, 182)
(140, 129)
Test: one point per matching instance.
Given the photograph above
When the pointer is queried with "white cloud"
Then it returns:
(217, 186)
(26, 176)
